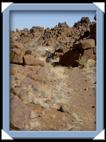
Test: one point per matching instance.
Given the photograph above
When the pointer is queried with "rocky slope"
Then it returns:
(53, 77)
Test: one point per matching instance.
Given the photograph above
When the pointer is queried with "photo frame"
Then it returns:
(98, 8)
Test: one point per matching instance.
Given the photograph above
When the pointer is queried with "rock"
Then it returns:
(20, 113)
(64, 24)
(93, 31)
(83, 23)
(31, 60)
(13, 71)
(28, 52)
(85, 20)
(90, 68)
(90, 63)
(89, 48)
(16, 53)
(71, 57)
(89, 54)
(36, 29)
(87, 43)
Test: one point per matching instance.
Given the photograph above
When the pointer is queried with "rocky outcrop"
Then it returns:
(23, 56)
(53, 77)
(62, 35)
(85, 48)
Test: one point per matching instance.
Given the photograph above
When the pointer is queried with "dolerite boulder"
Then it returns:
(20, 113)
(71, 57)
(88, 43)
(85, 20)
(93, 30)
(31, 60)
(36, 31)
(89, 48)
(16, 53)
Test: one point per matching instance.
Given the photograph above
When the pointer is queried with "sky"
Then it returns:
(21, 20)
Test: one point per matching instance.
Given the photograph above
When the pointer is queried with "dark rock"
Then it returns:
(93, 31)
(85, 20)
(28, 52)
(60, 109)
(71, 57)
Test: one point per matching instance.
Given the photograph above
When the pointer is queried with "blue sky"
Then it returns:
(44, 19)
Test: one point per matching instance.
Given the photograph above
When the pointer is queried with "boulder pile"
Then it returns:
(61, 37)
(52, 73)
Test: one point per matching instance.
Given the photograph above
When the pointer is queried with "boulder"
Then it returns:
(31, 60)
(28, 52)
(85, 20)
(71, 57)
(16, 53)
(93, 30)
(87, 43)
(90, 64)
(89, 54)
(20, 113)
(89, 48)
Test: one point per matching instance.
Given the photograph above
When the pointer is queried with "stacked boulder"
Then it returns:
(61, 37)
(23, 56)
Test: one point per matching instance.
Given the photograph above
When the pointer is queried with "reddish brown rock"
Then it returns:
(89, 54)
(16, 53)
(31, 60)
(89, 48)
(19, 113)
(93, 30)
(88, 43)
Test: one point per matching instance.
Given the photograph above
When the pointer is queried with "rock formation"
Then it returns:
(52, 75)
